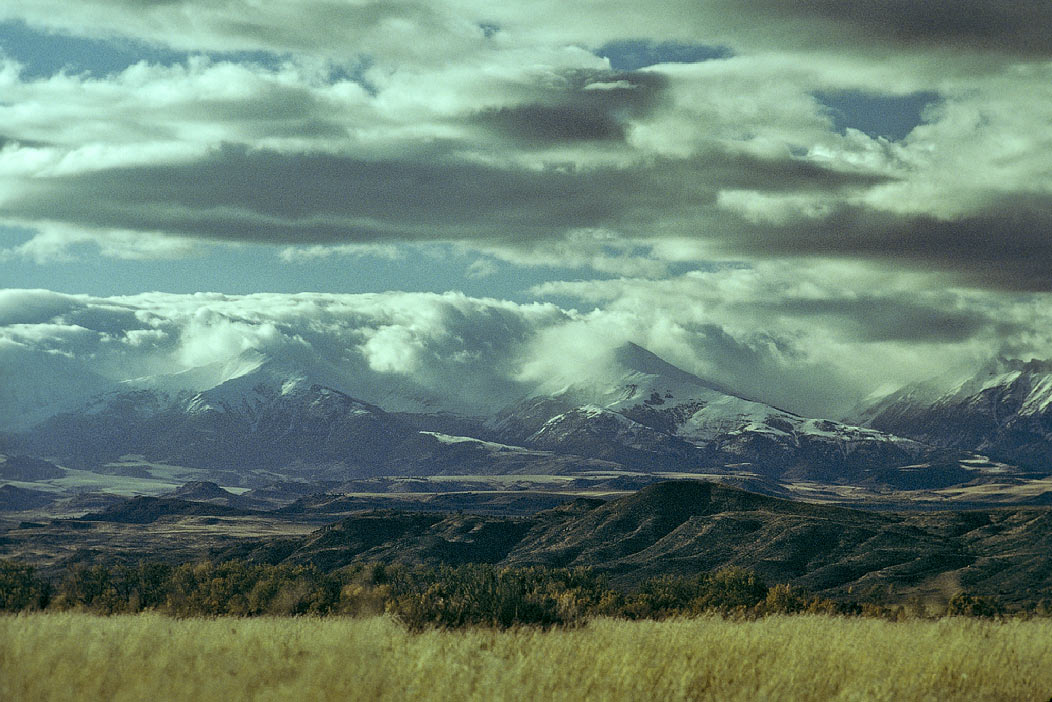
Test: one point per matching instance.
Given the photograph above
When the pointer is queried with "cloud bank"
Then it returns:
(508, 130)
(808, 344)
(807, 201)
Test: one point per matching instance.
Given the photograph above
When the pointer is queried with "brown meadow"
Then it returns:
(75, 656)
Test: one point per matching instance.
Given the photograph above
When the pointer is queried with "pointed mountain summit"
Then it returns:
(639, 409)
(293, 415)
(1004, 411)
(261, 414)
(628, 375)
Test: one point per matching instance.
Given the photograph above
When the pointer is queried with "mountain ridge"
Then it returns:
(634, 411)
(688, 527)
(1004, 410)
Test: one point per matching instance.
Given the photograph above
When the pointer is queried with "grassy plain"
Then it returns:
(70, 656)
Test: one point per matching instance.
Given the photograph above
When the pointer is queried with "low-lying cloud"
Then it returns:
(802, 340)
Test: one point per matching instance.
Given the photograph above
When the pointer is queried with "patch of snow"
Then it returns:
(490, 445)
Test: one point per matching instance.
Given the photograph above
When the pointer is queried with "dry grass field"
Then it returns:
(71, 656)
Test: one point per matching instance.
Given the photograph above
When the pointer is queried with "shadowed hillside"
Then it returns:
(689, 527)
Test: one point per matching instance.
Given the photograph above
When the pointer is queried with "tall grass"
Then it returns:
(70, 656)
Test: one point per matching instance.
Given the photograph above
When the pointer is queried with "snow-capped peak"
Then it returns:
(631, 375)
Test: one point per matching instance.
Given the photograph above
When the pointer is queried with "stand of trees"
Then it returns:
(445, 597)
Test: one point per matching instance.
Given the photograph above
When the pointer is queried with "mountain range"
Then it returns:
(1003, 411)
(258, 418)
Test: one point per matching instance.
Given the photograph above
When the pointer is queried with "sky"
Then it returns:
(809, 201)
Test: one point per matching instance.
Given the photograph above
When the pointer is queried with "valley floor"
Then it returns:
(77, 656)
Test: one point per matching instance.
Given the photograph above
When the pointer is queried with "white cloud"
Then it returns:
(378, 124)
(464, 350)
(306, 254)
(482, 268)
(813, 340)
(52, 242)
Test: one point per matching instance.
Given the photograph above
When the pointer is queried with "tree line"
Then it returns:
(444, 597)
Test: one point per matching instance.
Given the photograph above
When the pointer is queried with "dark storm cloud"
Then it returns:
(590, 107)
(261, 195)
(1008, 245)
(1009, 26)
(879, 318)
(553, 123)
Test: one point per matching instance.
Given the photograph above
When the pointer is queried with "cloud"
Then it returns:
(264, 195)
(587, 106)
(404, 29)
(61, 242)
(1016, 27)
(463, 350)
(836, 250)
(813, 338)
(306, 254)
(32, 306)
(1004, 245)
(506, 130)
(411, 29)
(482, 268)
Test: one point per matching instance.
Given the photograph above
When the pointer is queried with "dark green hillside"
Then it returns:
(14, 498)
(689, 527)
(145, 510)
(679, 528)
(28, 469)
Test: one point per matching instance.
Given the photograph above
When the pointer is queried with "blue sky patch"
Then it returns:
(889, 116)
(633, 54)
(44, 54)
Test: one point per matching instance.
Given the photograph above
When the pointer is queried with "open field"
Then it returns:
(82, 657)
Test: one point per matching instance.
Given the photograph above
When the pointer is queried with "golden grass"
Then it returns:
(150, 657)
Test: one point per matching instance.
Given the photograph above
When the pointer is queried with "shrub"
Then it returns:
(485, 595)
(786, 599)
(21, 589)
(969, 605)
(445, 597)
(479, 595)
(242, 589)
(728, 590)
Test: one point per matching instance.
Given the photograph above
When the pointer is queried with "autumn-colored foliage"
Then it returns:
(446, 597)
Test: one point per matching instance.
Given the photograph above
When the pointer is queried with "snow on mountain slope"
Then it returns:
(197, 379)
(35, 385)
(1004, 410)
(594, 431)
(634, 409)
(257, 389)
(630, 375)
(264, 414)
(639, 408)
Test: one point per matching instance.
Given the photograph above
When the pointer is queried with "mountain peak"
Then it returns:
(1034, 366)
(636, 358)
(629, 375)
(1001, 411)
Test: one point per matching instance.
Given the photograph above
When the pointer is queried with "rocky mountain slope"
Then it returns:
(274, 418)
(642, 411)
(1004, 411)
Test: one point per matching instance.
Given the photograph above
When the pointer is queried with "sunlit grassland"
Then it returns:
(70, 656)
